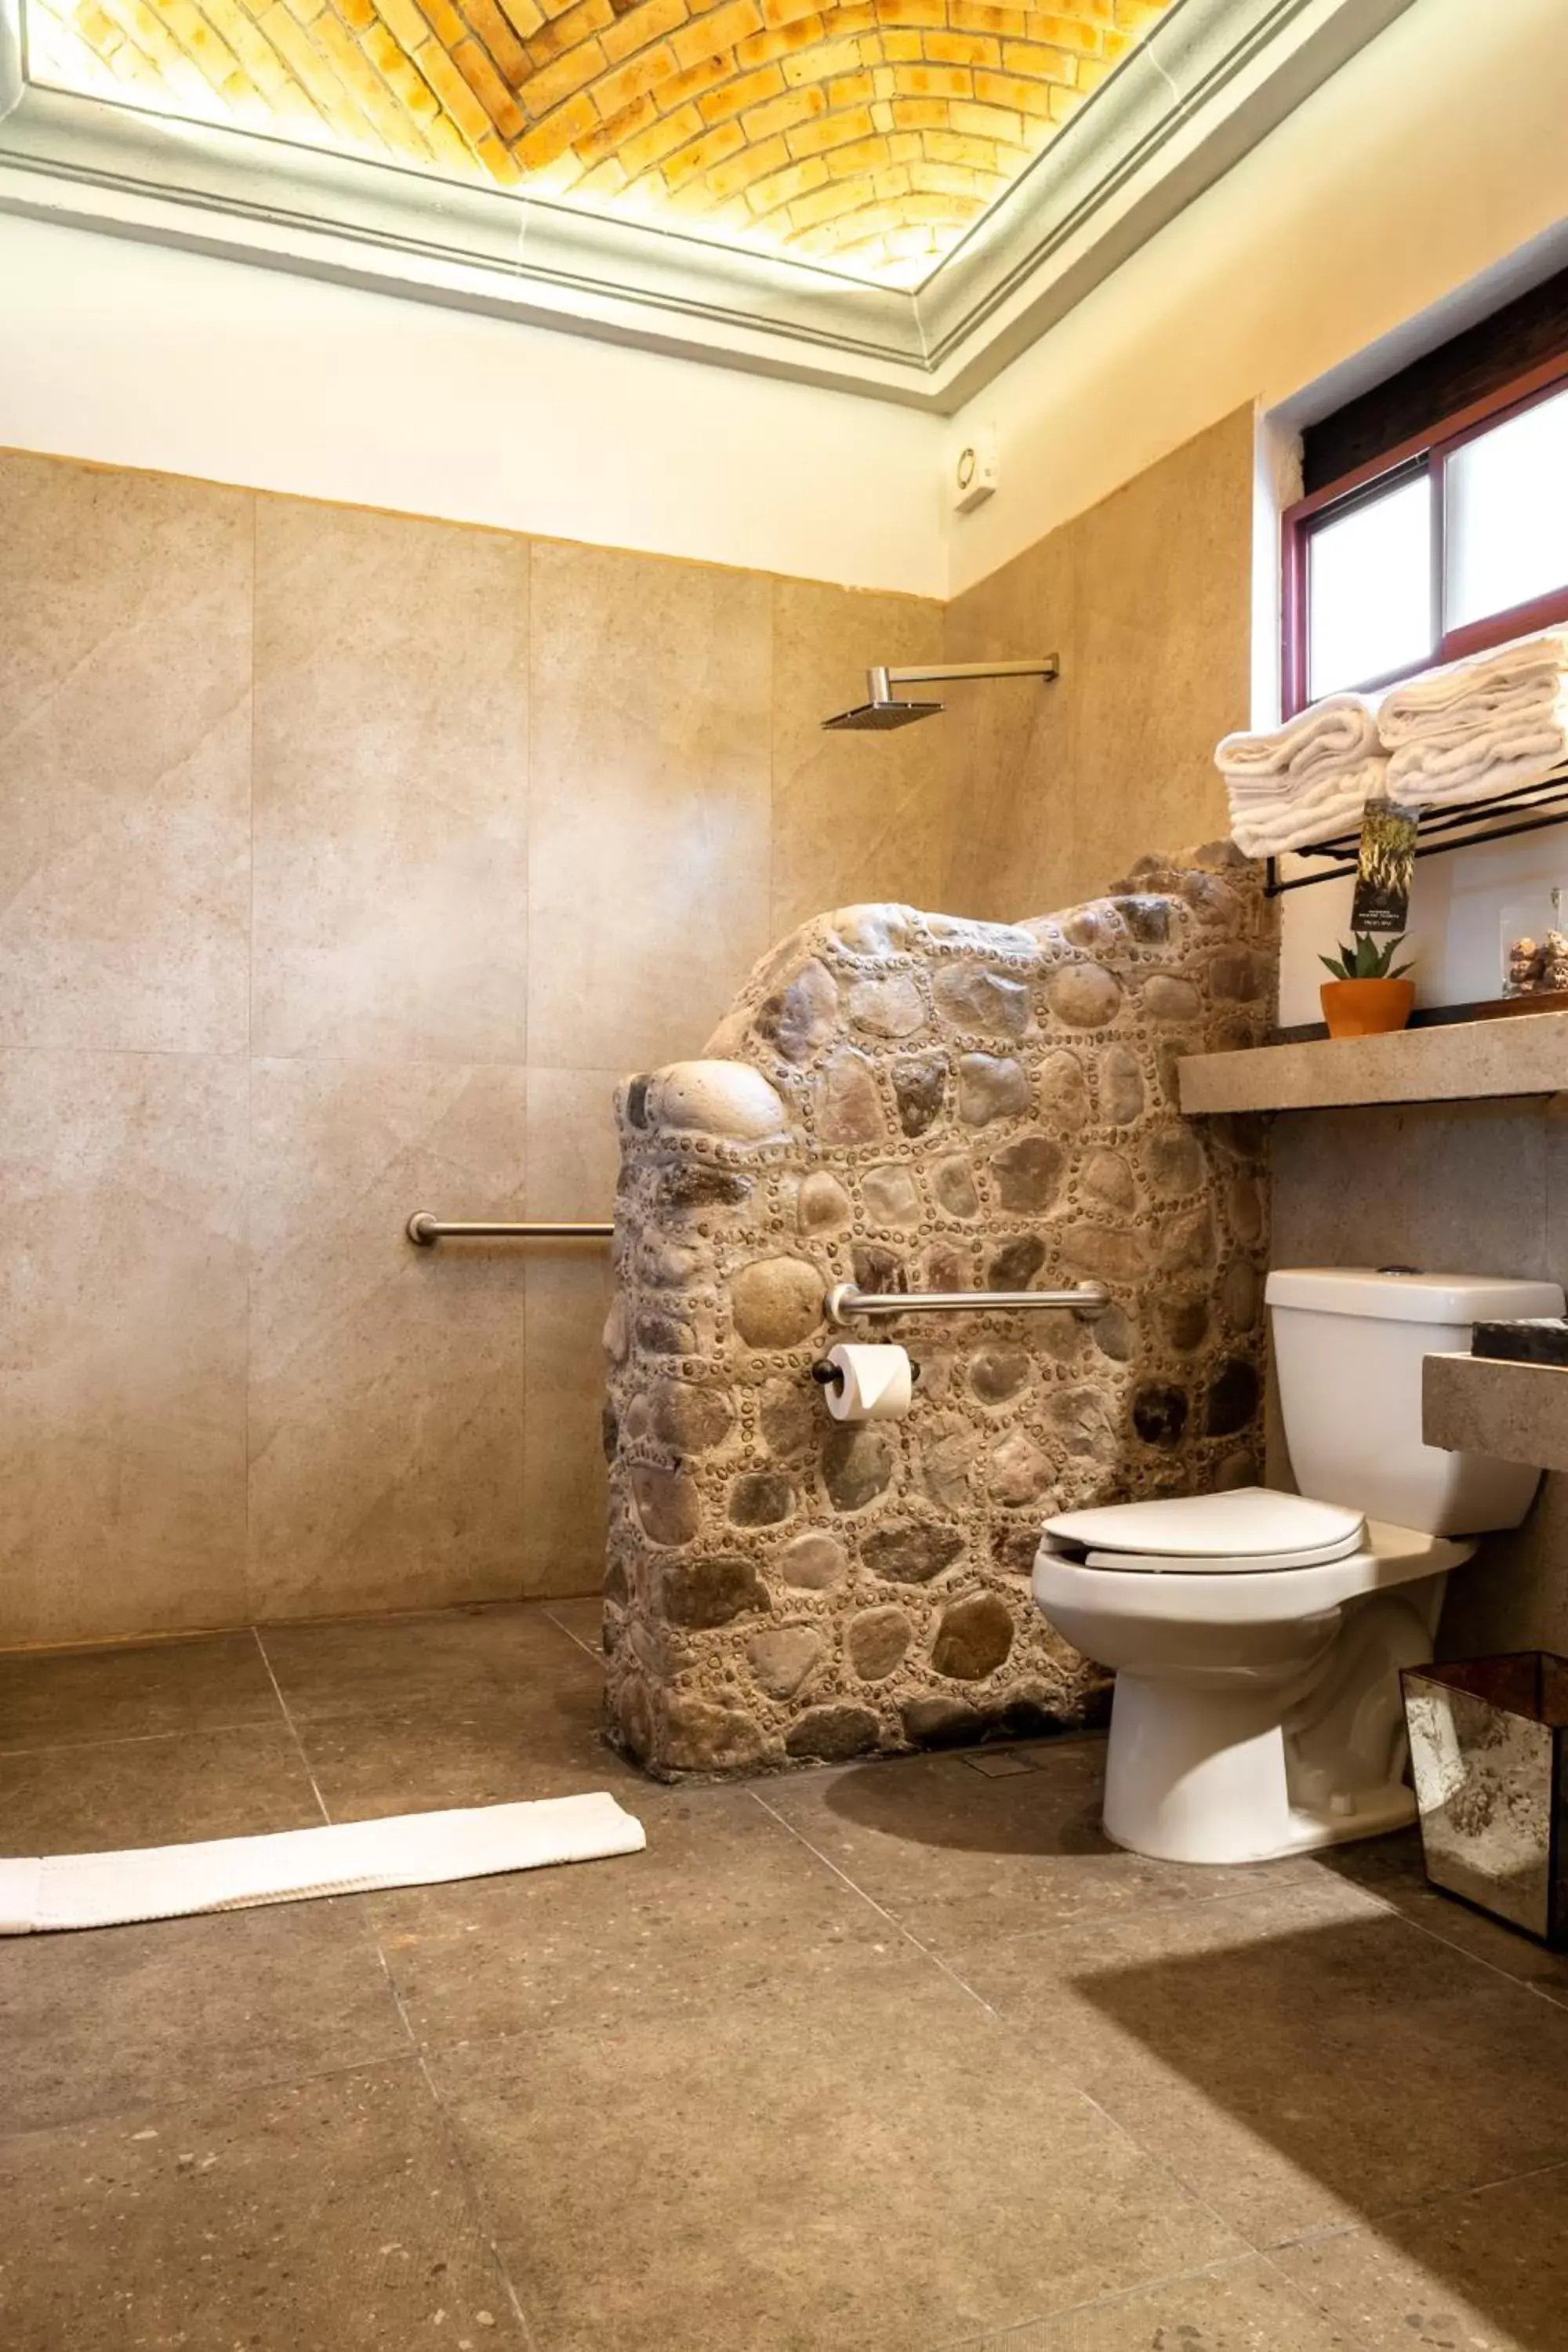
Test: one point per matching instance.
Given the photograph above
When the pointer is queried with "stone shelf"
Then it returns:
(1461, 1062)
(1515, 1412)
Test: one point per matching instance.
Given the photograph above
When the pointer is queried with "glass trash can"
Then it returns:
(1488, 1755)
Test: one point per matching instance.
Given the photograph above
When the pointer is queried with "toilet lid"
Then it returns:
(1244, 1530)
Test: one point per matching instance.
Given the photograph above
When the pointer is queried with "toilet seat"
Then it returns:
(1244, 1531)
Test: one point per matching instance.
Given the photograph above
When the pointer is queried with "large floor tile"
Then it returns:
(955, 1855)
(375, 1662)
(1484, 2273)
(724, 1903)
(63, 1697)
(1243, 2306)
(1302, 2057)
(159, 1792)
(870, 2162)
(140, 2017)
(328, 2214)
(474, 1748)
(1392, 1869)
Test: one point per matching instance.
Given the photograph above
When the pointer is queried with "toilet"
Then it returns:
(1257, 1635)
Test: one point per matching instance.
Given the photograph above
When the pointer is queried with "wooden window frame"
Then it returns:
(1426, 454)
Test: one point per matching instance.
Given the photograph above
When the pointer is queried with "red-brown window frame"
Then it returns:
(1424, 453)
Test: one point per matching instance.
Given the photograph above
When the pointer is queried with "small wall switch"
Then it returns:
(976, 470)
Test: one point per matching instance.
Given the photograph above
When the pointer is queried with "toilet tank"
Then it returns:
(1348, 1347)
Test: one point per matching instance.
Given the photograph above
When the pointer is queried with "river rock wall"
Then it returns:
(913, 1101)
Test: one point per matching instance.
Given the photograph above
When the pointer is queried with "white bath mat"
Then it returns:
(169, 1882)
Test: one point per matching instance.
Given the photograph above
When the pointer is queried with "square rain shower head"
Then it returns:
(878, 716)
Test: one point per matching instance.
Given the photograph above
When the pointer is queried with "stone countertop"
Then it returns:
(1462, 1061)
(1482, 1404)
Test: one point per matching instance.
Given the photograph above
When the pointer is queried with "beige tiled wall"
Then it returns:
(345, 862)
(1147, 599)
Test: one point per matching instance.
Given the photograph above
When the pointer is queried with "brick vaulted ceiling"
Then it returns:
(865, 137)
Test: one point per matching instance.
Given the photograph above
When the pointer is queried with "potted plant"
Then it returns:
(1367, 995)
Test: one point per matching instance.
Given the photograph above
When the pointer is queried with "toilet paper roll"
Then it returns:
(874, 1383)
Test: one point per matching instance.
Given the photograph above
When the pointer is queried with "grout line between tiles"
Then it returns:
(998, 2339)
(129, 1739)
(293, 1730)
(1449, 2195)
(597, 1655)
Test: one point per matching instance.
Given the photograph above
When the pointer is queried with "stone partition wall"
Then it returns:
(913, 1101)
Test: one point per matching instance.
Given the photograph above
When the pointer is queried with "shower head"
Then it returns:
(882, 709)
(878, 716)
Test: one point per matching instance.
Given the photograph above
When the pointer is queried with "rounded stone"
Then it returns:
(823, 1206)
(616, 1335)
(688, 1419)
(997, 1372)
(1107, 1177)
(719, 1098)
(920, 1088)
(1064, 1090)
(1187, 1242)
(1019, 1471)
(953, 1188)
(1027, 1173)
(848, 1108)
(1112, 1335)
(1184, 1322)
(833, 1734)
(761, 1498)
(1160, 1413)
(856, 1467)
(801, 1015)
(1165, 999)
(1239, 1294)
(879, 930)
(876, 1640)
(1106, 1253)
(973, 1638)
(789, 1416)
(702, 1738)
(1015, 1265)
(669, 1265)
(1232, 1399)
(1077, 1414)
(971, 997)
(776, 1301)
(912, 1551)
(1175, 1160)
(888, 1008)
(783, 1659)
(947, 1268)
(1084, 995)
(812, 1563)
(666, 1335)
(703, 1593)
(1120, 1087)
(1013, 1545)
(1244, 1201)
(1238, 977)
(991, 1087)
(877, 1268)
(947, 1464)
(694, 1186)
(668, 1504)
(1148, 920)
(942, 1722)
(888, 1197)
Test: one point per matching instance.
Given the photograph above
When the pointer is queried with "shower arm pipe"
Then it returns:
(845, 1302)
(879, 679)
(424, 1230)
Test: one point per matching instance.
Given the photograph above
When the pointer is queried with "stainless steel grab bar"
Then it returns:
(843, 1301)
(424, 1230)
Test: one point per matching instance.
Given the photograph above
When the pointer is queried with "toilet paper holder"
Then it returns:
(829, 1376)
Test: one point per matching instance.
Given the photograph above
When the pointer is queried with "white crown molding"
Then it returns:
(1213, 78)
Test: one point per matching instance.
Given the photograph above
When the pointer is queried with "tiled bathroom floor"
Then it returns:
(886, 2059)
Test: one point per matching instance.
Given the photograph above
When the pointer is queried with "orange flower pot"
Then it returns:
(1367, 1008)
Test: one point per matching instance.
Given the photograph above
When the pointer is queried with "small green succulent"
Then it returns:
(1363, 959)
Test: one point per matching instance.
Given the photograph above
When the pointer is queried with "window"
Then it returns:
(1435, 550)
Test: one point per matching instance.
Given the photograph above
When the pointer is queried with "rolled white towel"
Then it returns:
(1513, 682)
(1333, 737)
(1297, 819)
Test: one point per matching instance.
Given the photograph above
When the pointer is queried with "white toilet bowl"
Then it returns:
(1256, 1639)
(1257, 1636)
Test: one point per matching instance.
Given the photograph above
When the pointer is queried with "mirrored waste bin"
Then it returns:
(1488, 1753)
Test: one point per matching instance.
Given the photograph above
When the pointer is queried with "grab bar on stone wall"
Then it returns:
(843, 1301)
(423, 1229)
